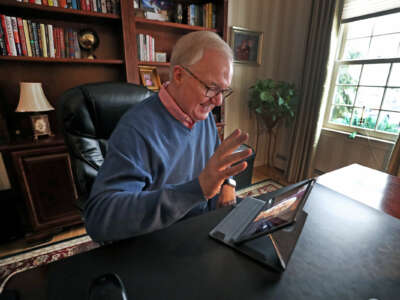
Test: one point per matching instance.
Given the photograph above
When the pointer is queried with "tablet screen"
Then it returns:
(281, 213)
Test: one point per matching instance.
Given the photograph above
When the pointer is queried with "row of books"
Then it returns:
(202, 15)
(20, 37)
(145, 47)
(102, 6)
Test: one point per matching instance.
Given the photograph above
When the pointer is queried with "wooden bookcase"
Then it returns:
(117, 60)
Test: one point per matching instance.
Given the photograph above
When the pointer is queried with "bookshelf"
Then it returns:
(116, 60)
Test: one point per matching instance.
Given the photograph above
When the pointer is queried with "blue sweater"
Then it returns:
(149, 178)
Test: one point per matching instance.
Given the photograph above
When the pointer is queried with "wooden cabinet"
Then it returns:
(41, 174)
(46, 181)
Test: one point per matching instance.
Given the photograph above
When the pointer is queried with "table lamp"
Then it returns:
(32, 99)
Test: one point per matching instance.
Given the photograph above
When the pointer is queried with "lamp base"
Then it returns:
(40, 126)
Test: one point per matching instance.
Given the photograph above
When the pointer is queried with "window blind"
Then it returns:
(359, 8)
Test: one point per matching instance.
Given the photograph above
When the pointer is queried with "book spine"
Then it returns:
(16, 36)
(66, 43)
(62, 3)
(213, 16)
(55, 41)
(10, 35)
(74, 6)
(22, 39)
(31, 28)
(3, 48)
(39, 39)
(109, 6)
(50, 2)
(39, 2)
(55, 3)
(52, 52)
(76, 45)
(62, 41)
(91, 5)
(98, 5)
(43, 40)
(27, 38)
(71, 44)
(103, 6)
(44, 2)
(6, 39)
(69, 3)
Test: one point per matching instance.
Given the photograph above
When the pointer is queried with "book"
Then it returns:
(50, 2)
(50, 35)
(71, 43)
(16, 36)
(3, 48)
(44, 2)
(108, 6)
(66, 42)
(76, 45)
(27, 38)
(10, 35)
(32, 36)
(6, 38)
(103, 6)
(61, 35)
(56, 42)
(62, 3)
(39, 2)
(55, 3)
(74, 5)
(43, 40)
(38, 38)
(22, 36)
(69, 3)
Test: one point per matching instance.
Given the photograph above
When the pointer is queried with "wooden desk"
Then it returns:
(347, 250)
(371, 187)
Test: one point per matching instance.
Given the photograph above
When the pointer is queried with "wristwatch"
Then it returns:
(230, 181)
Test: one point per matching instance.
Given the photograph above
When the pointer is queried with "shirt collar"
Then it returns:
(170, 104)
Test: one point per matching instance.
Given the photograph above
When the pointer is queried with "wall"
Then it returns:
(285, 26)
(336, 150)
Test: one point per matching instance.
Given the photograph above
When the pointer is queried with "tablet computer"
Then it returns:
(276, 213)
(253, 217)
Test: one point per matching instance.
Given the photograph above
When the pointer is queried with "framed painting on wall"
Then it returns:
(246, 45)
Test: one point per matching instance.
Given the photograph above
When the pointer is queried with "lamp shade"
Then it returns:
(32, 98)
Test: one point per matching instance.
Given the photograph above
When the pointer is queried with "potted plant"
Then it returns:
(273, 102)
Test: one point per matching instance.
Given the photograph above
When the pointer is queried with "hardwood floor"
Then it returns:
(259, 173)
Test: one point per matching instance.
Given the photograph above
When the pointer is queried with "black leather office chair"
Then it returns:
(87, 115)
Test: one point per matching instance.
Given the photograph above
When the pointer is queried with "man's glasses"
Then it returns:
(211, 91)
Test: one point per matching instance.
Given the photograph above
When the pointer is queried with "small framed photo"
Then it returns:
(40, 125)
(246, 45)
(150, 77)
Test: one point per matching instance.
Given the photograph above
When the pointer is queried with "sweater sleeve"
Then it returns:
(121, 205)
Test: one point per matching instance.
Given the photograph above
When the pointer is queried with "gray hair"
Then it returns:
(190, 47)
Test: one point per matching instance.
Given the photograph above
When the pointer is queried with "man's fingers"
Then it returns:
(232, 142)
(232, 171)
(229, 160)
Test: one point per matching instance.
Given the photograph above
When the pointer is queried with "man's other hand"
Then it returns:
(219, 166)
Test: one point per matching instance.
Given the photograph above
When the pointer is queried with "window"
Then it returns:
(365, 93)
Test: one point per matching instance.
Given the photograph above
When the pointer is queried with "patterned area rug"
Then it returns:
(14, 264)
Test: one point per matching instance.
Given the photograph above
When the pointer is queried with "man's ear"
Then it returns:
(177, 74)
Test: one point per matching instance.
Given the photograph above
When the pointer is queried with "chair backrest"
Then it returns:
(87, 115)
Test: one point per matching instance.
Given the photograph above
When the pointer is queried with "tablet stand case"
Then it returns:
(273, 250)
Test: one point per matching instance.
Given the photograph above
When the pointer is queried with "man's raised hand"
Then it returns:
(219, 166)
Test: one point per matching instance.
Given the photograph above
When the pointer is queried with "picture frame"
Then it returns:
(149, 77)
(40, 125)
(246, 45)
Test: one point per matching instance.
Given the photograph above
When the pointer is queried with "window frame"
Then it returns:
(332, 85)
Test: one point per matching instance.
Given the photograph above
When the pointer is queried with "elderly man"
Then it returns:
(165, 161)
